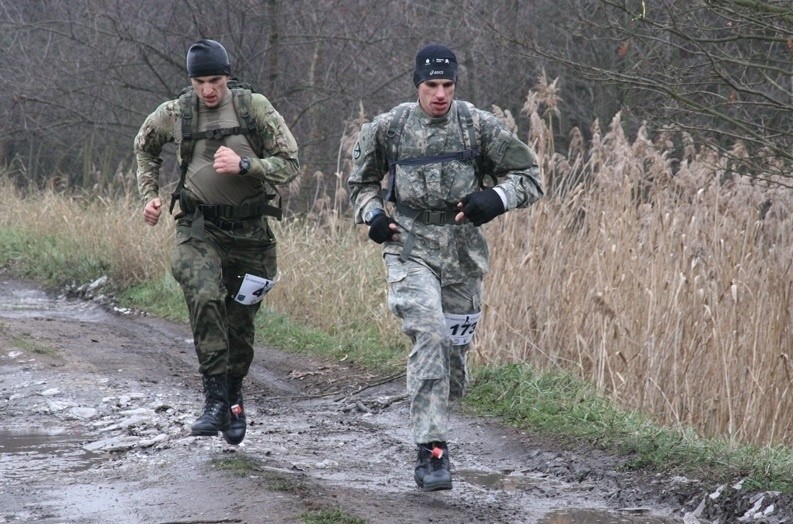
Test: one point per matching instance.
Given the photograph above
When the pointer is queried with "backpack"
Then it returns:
(241, 98)
(471, 131)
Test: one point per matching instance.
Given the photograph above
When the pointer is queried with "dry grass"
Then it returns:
(665, 283)
(106, 229)
(332, 277)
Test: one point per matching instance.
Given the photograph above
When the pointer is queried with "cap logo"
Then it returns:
(434, 61)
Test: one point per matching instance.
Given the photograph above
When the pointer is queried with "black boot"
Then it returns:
(216, 407)
(432, 471)
(236, 431)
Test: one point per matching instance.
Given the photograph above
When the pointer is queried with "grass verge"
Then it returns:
(330, 516)
(571, 411)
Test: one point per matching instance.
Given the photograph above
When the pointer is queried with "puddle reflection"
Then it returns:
(52, 450)
(592, 516)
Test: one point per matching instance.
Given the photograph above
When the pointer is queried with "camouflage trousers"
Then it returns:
(209, 264)
(436, 370)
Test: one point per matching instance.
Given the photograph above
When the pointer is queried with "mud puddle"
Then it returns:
(43, 450)
(21, 303)
(588, 516)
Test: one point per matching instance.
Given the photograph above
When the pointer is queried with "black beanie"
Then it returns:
(435, 61)
(207, 58)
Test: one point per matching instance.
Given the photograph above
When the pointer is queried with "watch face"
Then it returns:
(370, 215)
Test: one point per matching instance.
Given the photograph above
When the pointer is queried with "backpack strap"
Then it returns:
(466, 121)
(188, 108)
(393, 135)
(471, 130)
(241, 97)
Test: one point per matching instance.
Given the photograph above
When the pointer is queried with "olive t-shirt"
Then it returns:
(207, 185)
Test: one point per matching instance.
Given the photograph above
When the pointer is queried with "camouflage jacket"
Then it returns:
(164, 125)
(455, 252)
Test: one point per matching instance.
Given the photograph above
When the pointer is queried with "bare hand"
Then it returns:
(395, 232)
(459, 217)
(227, 162)
(152, 211)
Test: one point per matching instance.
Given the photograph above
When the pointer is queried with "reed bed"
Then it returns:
(665, 283)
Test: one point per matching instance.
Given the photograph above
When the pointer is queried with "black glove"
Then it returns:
(380, 231)
(481, 207)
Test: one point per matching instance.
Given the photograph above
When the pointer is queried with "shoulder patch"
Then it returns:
(366, 142)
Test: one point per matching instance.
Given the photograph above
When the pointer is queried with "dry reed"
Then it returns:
(667, 285)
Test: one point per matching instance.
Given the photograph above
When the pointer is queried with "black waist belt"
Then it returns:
(243, 212)
(224, 216)
(429, 216)
(432, 217)
(228, 212)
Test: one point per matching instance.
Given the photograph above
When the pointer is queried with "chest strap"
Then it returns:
(217, 134)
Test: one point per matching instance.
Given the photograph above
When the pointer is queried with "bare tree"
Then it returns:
(81, 75)
(720, 69)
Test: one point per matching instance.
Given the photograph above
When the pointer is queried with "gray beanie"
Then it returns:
(435, 62)
(207, 58)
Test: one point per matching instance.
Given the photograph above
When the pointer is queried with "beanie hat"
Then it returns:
(207, 58)
(435, 61)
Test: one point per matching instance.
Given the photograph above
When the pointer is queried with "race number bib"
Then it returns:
(461, 327)
(253, 289)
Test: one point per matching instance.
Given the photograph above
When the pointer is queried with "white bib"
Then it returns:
(461, 327)
(253, 289)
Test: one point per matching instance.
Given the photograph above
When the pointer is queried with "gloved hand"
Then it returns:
(380, 230)
(481, 207)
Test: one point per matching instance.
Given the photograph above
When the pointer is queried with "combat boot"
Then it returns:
(236, 431)
(216, 407)
(432, 471)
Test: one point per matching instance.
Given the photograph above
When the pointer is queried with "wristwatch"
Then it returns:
(245, 165)
(370, 215)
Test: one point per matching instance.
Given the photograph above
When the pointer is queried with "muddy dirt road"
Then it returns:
(96, 406)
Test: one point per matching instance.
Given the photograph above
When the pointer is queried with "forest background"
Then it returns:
(657, 267)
